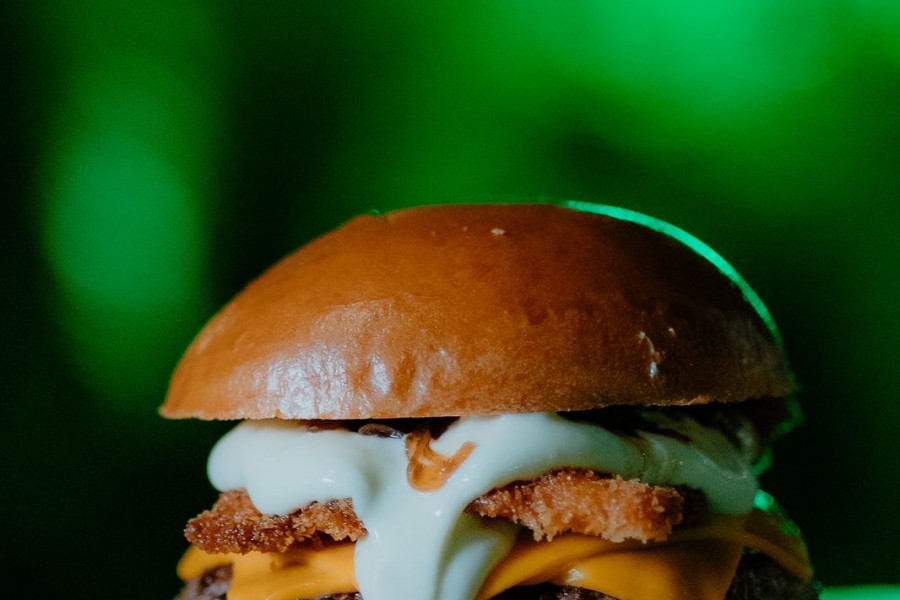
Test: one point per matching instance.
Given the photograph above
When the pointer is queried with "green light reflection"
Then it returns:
(691, 242)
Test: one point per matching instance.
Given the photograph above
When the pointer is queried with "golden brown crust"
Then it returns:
(235, 525)
(486, 309)
(569, 500)
(583, 502)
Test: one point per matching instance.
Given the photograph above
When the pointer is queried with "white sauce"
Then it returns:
(422, 545)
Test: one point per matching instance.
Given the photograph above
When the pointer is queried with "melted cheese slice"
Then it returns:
(697, 563)
(305, 573)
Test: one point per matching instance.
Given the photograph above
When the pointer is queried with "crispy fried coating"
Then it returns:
(579, 501)
(235, 525)
(582, 501)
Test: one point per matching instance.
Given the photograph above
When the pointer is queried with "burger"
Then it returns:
(518, 402)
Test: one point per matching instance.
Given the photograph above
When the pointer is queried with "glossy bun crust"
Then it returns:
(479, 309)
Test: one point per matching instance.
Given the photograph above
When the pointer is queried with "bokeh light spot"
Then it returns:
(122, 235)
(118, 214)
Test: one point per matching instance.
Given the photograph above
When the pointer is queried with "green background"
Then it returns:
(157, 156)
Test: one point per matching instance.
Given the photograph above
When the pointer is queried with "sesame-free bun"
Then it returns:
(481, 309)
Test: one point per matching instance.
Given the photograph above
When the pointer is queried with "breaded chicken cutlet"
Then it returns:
(566, 500)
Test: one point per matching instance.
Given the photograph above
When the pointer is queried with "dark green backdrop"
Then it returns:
(157, 155)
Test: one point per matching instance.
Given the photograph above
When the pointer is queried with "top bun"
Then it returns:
(482, 309)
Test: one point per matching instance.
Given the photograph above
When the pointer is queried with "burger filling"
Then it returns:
(474, 507)
(757, 578)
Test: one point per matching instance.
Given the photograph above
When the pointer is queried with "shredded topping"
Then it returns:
(428, 469)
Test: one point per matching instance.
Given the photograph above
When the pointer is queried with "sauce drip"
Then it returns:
(423, 545)
(429, 470)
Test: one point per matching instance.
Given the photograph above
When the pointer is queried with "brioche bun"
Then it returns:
(480, 309)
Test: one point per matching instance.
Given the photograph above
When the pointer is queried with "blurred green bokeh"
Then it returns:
(866, 592)
(157, 156)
